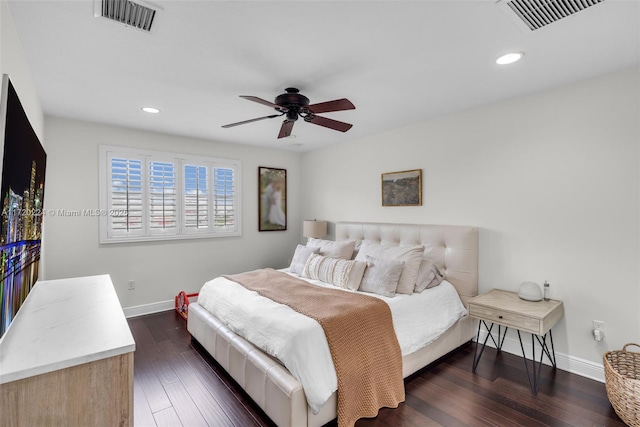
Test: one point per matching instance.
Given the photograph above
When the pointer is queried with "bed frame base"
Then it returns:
(269, 383)
(454, 249)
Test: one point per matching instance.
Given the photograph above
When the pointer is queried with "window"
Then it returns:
(152, 195)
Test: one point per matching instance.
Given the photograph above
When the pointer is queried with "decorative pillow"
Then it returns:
(381, 276)
(342, 273)
(429, 276)
(437, 279)
(300, 257)
(411, 255)
(356, 274)
(342, 249)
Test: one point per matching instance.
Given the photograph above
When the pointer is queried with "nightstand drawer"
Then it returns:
(512, 320)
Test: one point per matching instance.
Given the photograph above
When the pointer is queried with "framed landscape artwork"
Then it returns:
(272, 201)
(402, 188)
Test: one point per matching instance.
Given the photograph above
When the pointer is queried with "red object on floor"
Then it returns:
(182, 303)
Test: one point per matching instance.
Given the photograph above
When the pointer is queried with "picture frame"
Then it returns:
(403, 188)
(272, 199)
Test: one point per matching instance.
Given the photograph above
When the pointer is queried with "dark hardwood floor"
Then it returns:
(178, 384)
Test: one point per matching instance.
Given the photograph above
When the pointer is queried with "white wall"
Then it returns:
(160, 269)
(14, 63)
(552, 180)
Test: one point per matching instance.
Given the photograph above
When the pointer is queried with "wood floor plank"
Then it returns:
(582, 405)
(142, 416)
(146, 345)
(174, 378)
(470, 407)
(206, 403)
(167, 418)
(404, 415)
(228, 394)
(154, 392)
(158, 327)
(185, 407)
(516, 396)
(163, 370)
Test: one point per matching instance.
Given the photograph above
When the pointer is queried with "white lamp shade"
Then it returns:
(317, 229)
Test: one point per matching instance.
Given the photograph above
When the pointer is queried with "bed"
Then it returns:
(454, 249)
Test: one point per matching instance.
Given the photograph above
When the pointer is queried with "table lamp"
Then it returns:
(313, 228)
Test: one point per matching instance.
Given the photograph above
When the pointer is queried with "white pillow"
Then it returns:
(300, 257)
(342, 249)
(342, 273)
(381, 276)
(411, 255)
(429, 276)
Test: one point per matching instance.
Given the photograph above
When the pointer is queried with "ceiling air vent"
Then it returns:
(126, 12)
(531, 15)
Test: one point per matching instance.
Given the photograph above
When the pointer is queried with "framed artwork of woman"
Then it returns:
(272, 199)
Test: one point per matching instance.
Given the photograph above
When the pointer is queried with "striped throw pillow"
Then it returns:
(345, 274)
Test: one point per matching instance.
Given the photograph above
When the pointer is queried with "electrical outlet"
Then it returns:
(598, 324)
(132, 285)
(598, 330)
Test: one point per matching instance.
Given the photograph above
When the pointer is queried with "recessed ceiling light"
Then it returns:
(509, 58)
(151, 110)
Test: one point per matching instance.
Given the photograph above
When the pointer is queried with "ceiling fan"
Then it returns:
(295, 105)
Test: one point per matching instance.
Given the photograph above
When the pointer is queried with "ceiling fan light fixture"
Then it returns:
(509, 58)
(295, 105)
(150, 110)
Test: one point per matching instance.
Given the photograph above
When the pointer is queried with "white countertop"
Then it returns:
(64, 323)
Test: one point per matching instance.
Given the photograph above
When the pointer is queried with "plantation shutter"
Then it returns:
(152, 195)
(125, 197)
(225, 197)
(162, 198)
(196, 197)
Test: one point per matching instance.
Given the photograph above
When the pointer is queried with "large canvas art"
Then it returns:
(21, 206)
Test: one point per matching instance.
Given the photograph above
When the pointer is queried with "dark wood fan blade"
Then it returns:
(260, 101)
(251, 120)
(336, 105)
(285, 129)
(328, 123)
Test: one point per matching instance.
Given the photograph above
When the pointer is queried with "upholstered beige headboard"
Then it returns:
(453, 248)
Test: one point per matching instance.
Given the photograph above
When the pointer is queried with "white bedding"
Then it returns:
(299, 341)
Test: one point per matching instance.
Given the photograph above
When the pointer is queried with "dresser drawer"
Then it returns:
(512, 320)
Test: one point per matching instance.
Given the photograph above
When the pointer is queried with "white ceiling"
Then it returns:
(399, 62)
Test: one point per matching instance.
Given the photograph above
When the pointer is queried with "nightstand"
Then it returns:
(504, 308)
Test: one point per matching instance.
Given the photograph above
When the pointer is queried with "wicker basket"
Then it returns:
(622, 380)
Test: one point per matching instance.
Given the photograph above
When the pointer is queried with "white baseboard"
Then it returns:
(154, 307)
(575, 365)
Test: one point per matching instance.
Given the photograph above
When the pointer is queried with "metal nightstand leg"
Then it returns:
(498, 344)
(534, 377)
(551, 355)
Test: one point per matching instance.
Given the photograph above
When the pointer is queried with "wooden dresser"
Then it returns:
(67, 358)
